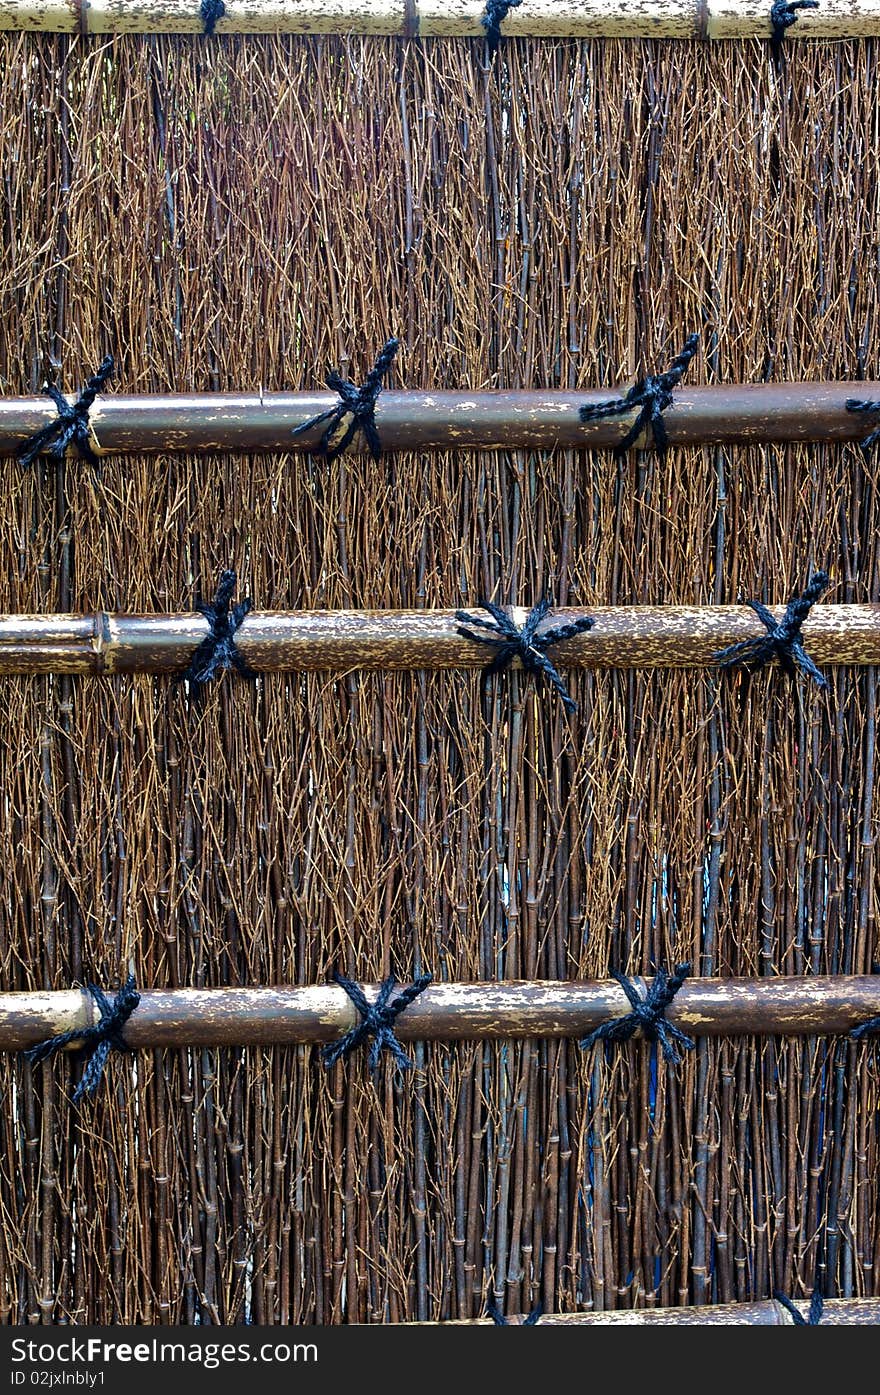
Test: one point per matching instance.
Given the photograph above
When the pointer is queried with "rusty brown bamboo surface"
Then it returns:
(448, 1011)
(651, 19)
(308, 641)
(244, 213)
(836, 1312)
(743, 414)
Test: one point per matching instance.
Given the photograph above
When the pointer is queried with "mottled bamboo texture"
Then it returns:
(696, 19)
(783, 1006)
(250, 212)
(734, 414)
(343, 640)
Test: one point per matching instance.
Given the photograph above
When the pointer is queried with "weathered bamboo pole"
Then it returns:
(341, 640)
(837, 1312)
(738, 414)
(447, 1011)
(664, 19)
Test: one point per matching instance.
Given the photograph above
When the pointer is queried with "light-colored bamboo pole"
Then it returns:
(448, 1011)
(652, 19)
(837, 1312)
(733, 414)
(342, 640)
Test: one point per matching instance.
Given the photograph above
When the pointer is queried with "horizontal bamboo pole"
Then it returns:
(342, 640)
(739, 414)
(447, 1011)
(837, 1312)
(665, 19)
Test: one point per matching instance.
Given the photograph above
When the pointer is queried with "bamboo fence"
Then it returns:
(670, 19)
(847, 1312)
(659, 637)
(215, 211)
(737, 415)
(446, 1011)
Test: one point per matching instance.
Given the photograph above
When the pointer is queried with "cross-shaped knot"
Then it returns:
(218, 650)
(495, 1313)
(210, 11)
(525, 644)
(652, 395)
(648, 1014)
(71, 426)
(783, 640)
(96, 1042)
(377, 1021)
(356, 408)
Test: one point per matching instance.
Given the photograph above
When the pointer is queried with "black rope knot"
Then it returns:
(817, 1304)
(865, 1029)
(218, 650)
(652, 395)
(783, 14)
(648, 1014)
(358, 404)
(97, 1041)
(855, 404)
(210, 11)
(377, 1021)
(495, 1313)
(492, 18)
(872, 1025)
(524, 644)
(71, 426)
(783, 640)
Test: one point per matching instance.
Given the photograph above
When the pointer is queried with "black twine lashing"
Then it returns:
(783, 640)
(358, 404)
(495, 1313)
(71, 426)
(376, 1021)
(209, 12)
(96, 1041)
(524, 644)
(648, 1014)
(652, 395)
(218, 650)
(783, 14)
(865, 1029)
(855, 404)
(492, 18)
(817, 1303)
